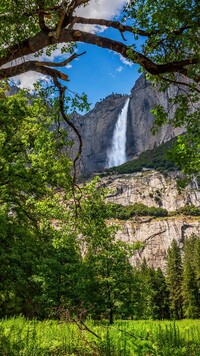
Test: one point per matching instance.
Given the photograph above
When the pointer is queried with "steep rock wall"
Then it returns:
(97, 130)
(151, 188)
(97, 126)
(156, 235)
(144, 97)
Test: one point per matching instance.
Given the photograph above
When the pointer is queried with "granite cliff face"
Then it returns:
(97, 126)
(152, 189)
(148, 187)
(144, 97)
(96, 129)
(156, 234)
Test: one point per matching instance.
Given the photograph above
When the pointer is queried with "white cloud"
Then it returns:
(105, 9)
(119, 69)
(28, 79)
(125, 60)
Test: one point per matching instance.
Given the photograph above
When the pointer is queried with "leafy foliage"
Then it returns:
(189, 210)
(167, 42)
(34, 166)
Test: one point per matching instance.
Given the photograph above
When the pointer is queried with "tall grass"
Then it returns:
(21, 337)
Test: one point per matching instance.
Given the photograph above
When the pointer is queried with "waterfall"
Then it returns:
(195, 183)
(116, 155)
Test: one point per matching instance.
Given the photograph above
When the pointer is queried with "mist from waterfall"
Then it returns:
(116, 155)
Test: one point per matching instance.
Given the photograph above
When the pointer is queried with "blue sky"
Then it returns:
(99, 72)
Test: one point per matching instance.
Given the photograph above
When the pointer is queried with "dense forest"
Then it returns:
(45, 265)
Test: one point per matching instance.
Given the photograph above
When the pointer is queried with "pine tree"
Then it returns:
(174, 280)
(191, 301)
(191, 305)
(155, 293)
(161, 299)
(196, 256)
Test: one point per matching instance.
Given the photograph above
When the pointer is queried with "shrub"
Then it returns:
(126, 212)
(189, 210)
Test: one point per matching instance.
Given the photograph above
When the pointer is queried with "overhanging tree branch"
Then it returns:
(31, 66)
(42, 40)
(62, 90)
(40, 67)
(178, 82)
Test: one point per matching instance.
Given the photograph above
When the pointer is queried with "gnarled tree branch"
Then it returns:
(42, 40)
(34, 66)
(60, 64)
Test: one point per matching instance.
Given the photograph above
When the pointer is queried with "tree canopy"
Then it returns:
(170, 44)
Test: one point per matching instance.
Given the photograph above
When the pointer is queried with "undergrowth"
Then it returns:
(19, 336)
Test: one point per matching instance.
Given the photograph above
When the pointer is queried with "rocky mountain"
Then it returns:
(155, 189)
(144, 97)
(151, 188)
(97, 126)
(96, 129)
(148, 187)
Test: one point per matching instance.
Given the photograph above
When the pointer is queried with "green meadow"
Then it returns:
(19, 336)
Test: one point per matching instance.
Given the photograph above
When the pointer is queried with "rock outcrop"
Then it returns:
(97, 126)
(151, 188)
(144, 97)
(156, 234)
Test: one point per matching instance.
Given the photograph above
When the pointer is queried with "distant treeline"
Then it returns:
(125, 212)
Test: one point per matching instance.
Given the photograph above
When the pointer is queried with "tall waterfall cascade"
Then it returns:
(116, 155)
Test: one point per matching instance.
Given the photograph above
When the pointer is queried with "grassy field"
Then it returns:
(19, 336)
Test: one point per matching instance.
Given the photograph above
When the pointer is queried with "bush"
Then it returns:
(122, 212)
(189, 210)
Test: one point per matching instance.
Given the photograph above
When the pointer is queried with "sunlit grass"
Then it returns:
(19, 336)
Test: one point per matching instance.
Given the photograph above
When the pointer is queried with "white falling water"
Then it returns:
(117, 153)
